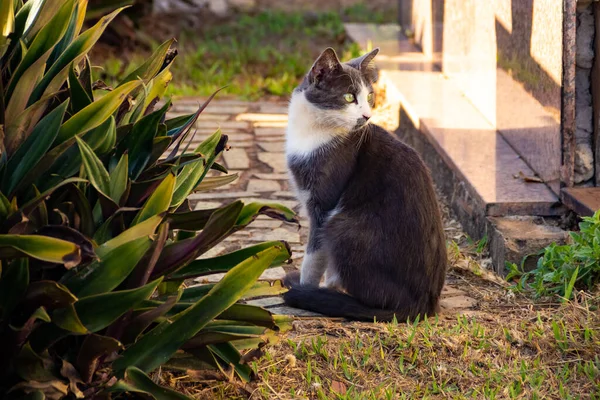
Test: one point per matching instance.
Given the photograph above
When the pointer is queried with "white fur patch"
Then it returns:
(310, 127)
(364, 108)
(333, 279)
(334, 212)
(303, 134)
(313, 267)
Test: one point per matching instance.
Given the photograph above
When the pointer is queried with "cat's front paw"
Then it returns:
(292, 279)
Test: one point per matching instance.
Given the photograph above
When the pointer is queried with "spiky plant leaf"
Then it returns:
(155, 348)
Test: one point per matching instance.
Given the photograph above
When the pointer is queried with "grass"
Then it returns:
(360, 12)
(564, 268)
(508, 347)
(255, 55)
(503, 352)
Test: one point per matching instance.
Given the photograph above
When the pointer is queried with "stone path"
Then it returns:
(256, 133)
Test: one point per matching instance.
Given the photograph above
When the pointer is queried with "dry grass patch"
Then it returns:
(509, 347)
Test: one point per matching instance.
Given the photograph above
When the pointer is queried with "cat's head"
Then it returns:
(341, 93)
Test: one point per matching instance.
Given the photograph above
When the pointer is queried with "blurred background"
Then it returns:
(257, 47)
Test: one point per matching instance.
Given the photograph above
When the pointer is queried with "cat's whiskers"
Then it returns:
(367, 129)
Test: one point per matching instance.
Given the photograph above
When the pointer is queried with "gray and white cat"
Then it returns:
(375, 227)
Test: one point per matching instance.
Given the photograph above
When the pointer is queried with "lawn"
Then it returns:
(254, 55)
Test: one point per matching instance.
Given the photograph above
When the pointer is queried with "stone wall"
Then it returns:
(584, 156)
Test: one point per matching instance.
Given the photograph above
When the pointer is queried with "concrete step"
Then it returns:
(584, 201)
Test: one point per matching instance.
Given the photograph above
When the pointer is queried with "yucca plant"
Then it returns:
(96, 232)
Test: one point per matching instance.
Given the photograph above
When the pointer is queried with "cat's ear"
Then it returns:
(366, 65)
(327, 63)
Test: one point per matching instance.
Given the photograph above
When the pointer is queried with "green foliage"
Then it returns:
(563, 268)
(254, 55)
(96, 232)
(361, 12)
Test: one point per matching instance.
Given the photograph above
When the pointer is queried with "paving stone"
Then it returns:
(241, 237)
(253, 117)
(220, 195)
(186, 101)
(213, 278)
(213, 108)
(215, 251)
(208, 118)
(457, 302)
(276, 177)
(205, 130)
(261, 132)
(242, 234)
(207, 205)
(276, 234)
(272, 274)
(237, 137)
(271, 124)
(274, 160)
(285, 195)
(273, 108)
(245, 145)
(224, 109)
(261, 223)
(236, 159)
(273, 139)
(210, 126)
(262, 185)
(234, 125)
(266, 302)
(285, 310)
(273, 147)
(448, 291)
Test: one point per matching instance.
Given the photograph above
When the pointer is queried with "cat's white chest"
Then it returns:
(304, 134)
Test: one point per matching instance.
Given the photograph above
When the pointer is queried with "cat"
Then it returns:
(376, 230)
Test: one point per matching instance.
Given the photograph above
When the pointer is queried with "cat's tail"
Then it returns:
(332, 303)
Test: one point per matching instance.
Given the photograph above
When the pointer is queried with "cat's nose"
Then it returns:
(366, 117)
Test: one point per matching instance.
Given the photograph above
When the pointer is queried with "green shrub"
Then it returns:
(96, 232)
(563, 268)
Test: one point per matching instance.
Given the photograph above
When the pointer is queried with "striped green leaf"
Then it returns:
(119, 179)
(43, 43)
(151, 66)
(191, 175)
(40, 247)
(97, 174)
(159, 345)
(96, 113)
(159, 201)
(110, 271)
(56, 75)
(99, 311)
(34, 148)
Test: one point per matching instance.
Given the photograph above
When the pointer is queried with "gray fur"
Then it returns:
(373, 213)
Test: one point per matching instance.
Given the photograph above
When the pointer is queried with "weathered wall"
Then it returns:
(506, 57)
(584, 155)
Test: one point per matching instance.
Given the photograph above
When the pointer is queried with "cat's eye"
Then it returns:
(371, 98)
(349, 97)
